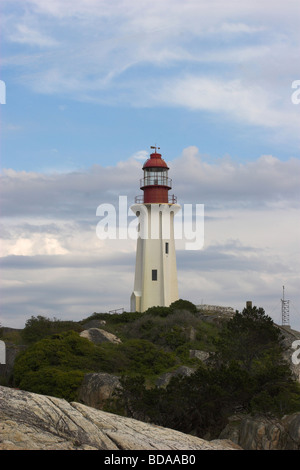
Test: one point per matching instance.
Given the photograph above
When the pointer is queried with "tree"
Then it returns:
(248, 337)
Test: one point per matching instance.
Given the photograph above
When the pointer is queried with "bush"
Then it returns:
(158, 311)
(67, 350)
(145, 358)
(173, 331)
(39, 327)
(69, 355)
(53, 381)
(181, 304)
(113, 318)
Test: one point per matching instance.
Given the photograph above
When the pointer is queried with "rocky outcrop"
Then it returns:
(97, 388)
(98, 336)
(262, 433)
(198, 354)
(165, 378)
(29, 421)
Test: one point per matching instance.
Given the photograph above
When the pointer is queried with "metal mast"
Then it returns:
(285, 310)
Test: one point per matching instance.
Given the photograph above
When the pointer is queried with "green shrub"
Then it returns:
(158, 311)
(68, 353)
(39, 327)
(181, 304)
(66, 350)
(113, 318)
(145, 358)
(53, 381)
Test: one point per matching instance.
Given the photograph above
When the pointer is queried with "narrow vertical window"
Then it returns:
(167, 248)
(154, 274)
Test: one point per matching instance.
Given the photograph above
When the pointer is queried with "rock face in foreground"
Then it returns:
(36, 422)
(262, 433)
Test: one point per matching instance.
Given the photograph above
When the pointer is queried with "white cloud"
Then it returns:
(163, 54)
(54, 264)
(234, 99)
(240, 28)
(26, 35)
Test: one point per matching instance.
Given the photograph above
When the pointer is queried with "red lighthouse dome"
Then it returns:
(156, 183)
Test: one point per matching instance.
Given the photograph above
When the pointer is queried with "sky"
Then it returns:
(87, 87)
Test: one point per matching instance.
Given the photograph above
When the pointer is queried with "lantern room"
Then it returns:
(156, 183)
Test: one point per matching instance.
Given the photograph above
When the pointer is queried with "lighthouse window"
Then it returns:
(167, 248)
(154, 274)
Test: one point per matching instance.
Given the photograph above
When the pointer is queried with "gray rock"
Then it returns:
(198, 354)
(165, 378)
(98, 336)
(35, 422)
(292, 425)
(97, 388)
(264, 433)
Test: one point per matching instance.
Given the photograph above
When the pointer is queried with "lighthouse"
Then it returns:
(155, 282)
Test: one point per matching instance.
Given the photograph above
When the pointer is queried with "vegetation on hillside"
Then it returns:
(246, 371)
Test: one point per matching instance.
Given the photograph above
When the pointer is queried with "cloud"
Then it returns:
(25, 35)
(234, 99)
(53, 263)
(169, 53)
(264, 182)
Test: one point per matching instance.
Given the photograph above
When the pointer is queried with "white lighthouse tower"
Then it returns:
(155, 282)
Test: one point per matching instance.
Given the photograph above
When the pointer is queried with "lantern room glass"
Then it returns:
(156, 176)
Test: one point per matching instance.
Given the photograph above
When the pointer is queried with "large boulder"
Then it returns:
(36, 422)
(98, 336)
(97, 388)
